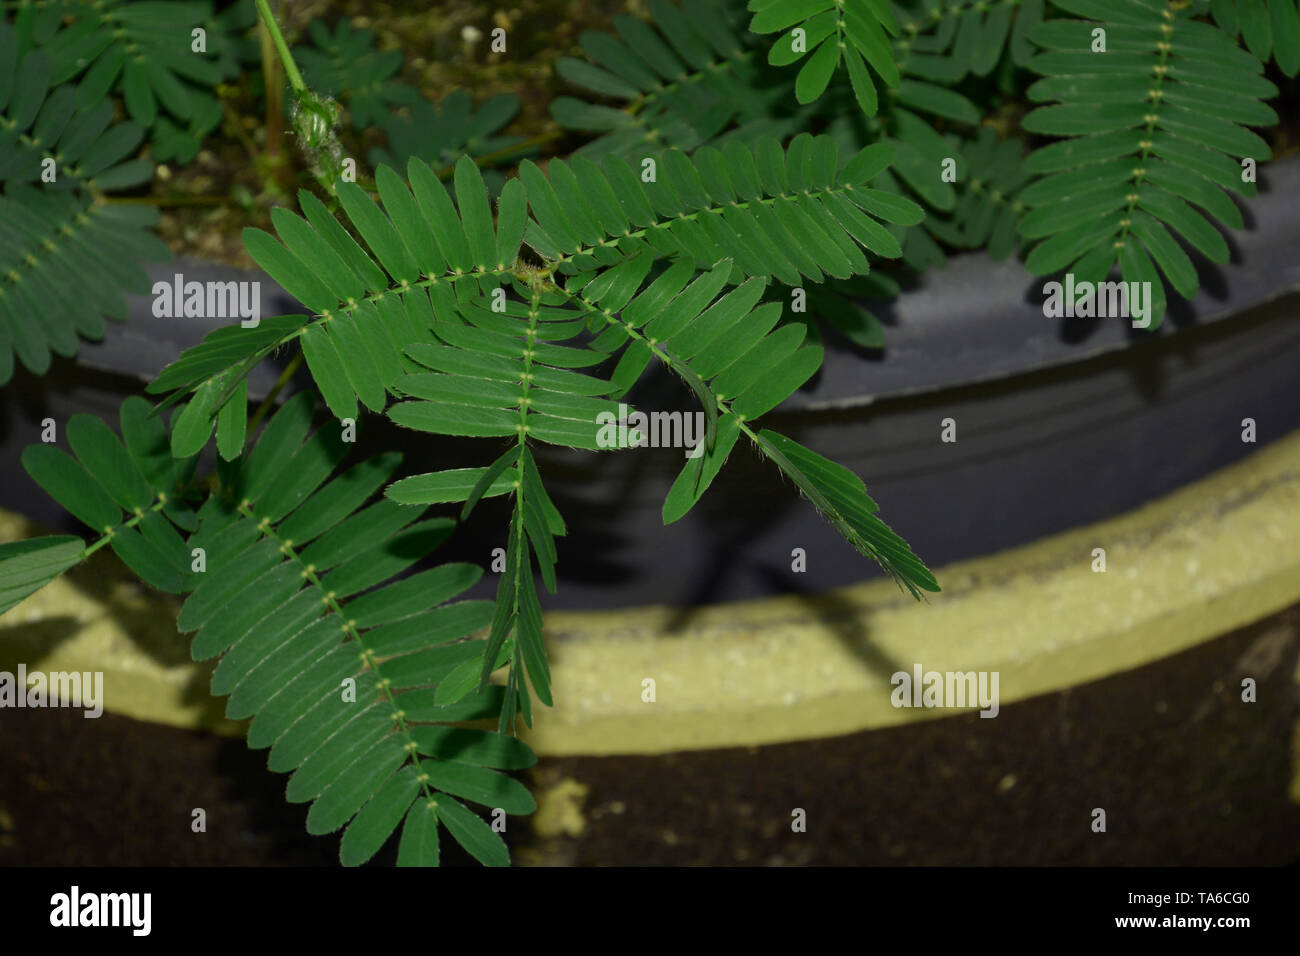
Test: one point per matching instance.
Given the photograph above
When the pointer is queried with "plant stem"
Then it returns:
(271, 72)
(290, 67)
(131, 523)
(271, 396)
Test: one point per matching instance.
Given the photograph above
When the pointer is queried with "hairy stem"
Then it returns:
(290, 67)
(129, 523)
(520, 544)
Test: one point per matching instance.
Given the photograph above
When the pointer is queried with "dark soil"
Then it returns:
(1187, 774)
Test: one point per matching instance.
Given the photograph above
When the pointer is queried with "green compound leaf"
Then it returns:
(324, 635)
(1149, 129)
(689, 210)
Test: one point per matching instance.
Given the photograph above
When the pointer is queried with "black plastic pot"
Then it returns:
(1058, 423)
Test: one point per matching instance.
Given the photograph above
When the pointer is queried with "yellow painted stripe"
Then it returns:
(98, 617)
(1204, 560)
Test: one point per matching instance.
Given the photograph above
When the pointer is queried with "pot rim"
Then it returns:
(972, 321)
(1200, 562)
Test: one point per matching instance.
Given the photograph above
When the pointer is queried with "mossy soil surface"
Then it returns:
(234, 181)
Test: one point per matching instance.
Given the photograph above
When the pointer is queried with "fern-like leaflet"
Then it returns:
(146, 51)
(946, 40)
(439, 134)
(56, 160)
(290, 576)
(682, 78)
(1151, 133)
(826, 33)
(503, 373)
(1267, 26)
(988, 208)
(784, 213)
(130, 492)
(740, 367)
(345, 64)
(46, 236)
(336, 662)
